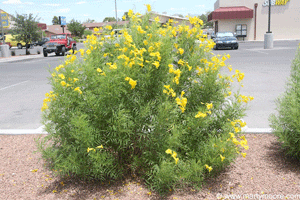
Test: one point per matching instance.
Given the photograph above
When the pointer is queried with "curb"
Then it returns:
(20, 58)
(41, 131)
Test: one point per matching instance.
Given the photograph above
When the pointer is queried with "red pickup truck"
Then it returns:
(60, 44)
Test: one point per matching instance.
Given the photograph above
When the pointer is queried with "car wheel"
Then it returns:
(57, 54)
(45, 54)
(63, 51)
(19, 46)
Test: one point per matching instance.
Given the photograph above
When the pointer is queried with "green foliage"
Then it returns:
(55, 20)
(204, 18)
(150, 102)
(109, 19)
(286, 124)
(26, 29)
(87, 32)
(76, 28)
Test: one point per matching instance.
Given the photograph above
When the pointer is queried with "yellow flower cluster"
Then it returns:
(195, 21)
(245, 98)
(208, 167)
(201, 114)
(131, 82)
(112, 66)
(238, 75)
(177, 72)
(101, 72)
(174, 155)
(92, 149)
(181, 102)
(169, 91)
(49, 97)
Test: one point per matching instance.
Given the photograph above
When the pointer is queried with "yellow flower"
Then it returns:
(222, 158)
(90, 149)
(96, 29)
(181, 51)
(99, 70)
(78, 89)
(61, 76)
(108, 27)
(231, 135)
(124, 17)
(99, 147)
(244, 154)
(209, 168)
(88, 52)
(63, 83)
(169, 151)
(130, 13)
(148, 7)
(156, 63)
(181, 62)
(157, 19)
(176, 160)
(145, 42)
(209, 106)
(200, 114)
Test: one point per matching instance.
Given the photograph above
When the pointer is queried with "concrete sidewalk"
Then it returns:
(20, 58)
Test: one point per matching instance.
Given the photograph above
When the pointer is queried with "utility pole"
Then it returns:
(268, 37)
(116, 13)
(269, 20)
(3, 42)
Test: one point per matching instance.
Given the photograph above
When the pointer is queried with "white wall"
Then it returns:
(285, 19)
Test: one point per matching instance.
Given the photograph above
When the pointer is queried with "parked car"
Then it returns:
(59, 44)
(10, 39)
(41, 42)
(225, 40)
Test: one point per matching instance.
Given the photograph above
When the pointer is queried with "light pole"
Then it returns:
(268, 39)
(116, 13)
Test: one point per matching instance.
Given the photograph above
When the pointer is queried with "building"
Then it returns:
(55, 29)
(249, 18)
(164, 18)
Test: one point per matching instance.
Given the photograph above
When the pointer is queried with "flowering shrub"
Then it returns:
(286, 124)
(150, 102)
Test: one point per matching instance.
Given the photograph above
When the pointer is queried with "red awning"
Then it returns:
(239, 12)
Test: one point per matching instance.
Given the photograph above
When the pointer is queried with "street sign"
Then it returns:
(63, 20)
(5, 21)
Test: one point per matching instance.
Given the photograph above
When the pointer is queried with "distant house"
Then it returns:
(164, 18)
(55, 29)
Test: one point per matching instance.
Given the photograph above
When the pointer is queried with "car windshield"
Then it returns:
(226, 34)
(58, 37)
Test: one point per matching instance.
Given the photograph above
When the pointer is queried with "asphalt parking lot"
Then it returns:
(266, 72)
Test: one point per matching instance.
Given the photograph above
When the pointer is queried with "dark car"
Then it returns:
(43, 41)
(225, 40)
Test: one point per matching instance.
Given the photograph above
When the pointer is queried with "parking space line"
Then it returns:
(13, 85)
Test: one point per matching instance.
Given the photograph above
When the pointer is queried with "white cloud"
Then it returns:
(63, 10)
(52, 4)
(12, 2)
(81, 2)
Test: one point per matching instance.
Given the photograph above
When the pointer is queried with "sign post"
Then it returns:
(63, 22)
(268, 40)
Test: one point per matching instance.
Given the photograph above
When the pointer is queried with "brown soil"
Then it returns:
(264, 173)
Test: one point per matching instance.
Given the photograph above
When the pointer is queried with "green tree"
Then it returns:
(126, 16)
(55, 20)
(26, 29)
(76, 28)
(109, 19)
(204, 18)
(89, 21)
(87, 32)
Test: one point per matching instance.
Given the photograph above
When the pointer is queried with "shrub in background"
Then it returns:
(286, 123)
(150, 103)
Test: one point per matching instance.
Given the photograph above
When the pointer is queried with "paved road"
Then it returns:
(24, 84)
(266, 72)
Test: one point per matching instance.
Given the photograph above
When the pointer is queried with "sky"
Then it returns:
(81, 10)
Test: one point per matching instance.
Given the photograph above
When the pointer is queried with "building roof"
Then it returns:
(56, 29)
(101, 24)
(238, 12)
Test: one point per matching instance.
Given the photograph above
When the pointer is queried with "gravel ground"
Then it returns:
(265, 173)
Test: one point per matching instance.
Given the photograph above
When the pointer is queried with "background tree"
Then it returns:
(26, 29)
(126, 16)
(55, 20)
(87, 32)
(89, 21)
(109, 19)
(204, 18)
(76, 28)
